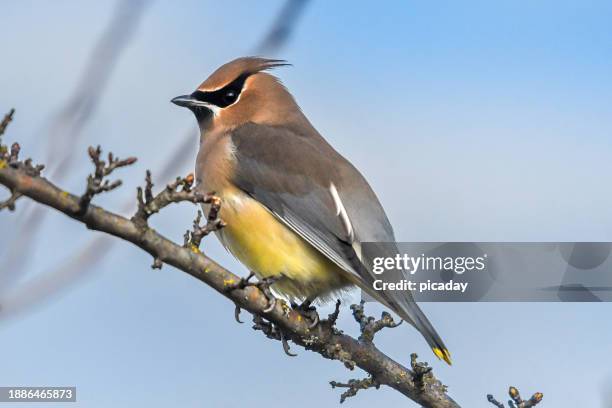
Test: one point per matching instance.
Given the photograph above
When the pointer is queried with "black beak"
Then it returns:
(186, 101)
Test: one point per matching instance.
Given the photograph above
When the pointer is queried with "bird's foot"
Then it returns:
(264, 285)
(241, 284)
(309, 311)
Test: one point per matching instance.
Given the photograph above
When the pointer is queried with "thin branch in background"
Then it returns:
(606, 395)
(283, 26)
(67, 126)
(43, 288)
(93, 253)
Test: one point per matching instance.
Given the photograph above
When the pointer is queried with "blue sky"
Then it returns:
(481, 121)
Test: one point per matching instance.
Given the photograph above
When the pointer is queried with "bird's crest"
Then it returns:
(244, 66)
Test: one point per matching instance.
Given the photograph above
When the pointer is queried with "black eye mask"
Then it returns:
(225, 96)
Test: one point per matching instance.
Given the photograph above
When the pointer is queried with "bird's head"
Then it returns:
(239, 92)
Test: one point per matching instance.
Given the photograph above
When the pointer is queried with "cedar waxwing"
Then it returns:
(296, 210)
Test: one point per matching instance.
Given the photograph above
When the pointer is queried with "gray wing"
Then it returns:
(292, 174)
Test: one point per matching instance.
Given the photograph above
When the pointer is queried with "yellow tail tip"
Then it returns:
(443, 354)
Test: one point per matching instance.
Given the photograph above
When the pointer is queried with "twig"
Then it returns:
(176, 192)
(194, 237)
(6, 120)
(422, 376)
(10, 202)
(179, 190)
(332, 317)
(10, 158)
(354, 386)
(369, 325)
(422, 371)
(96, 182)
(516, 401)
(495, 402)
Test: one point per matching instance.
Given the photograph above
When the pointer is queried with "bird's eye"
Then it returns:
(230, 96)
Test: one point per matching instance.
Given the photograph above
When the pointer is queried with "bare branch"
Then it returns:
(10, 202)
(10, 158)
(354, 386)
(276, 321)
(422, 375)
(332, 317)
(96, 183)
(194, 237)
(369, 325)
(516, 401)
(178, 191)
(6, 120)
(495, 402)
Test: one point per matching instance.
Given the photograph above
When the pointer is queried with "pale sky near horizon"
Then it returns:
(473, 121)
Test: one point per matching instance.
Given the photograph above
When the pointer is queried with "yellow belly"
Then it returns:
(270, 249)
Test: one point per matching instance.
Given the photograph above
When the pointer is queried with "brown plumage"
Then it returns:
(241, 66)
(295, 209)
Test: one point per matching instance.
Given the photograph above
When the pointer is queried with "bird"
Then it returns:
(296, 211)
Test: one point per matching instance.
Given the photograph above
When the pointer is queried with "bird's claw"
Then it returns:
(241, 284)
(271, 306)
(264, 286)
(285, 344)
(237, 314)
(309, 311)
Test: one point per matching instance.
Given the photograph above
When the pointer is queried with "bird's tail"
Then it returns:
(404, 305)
